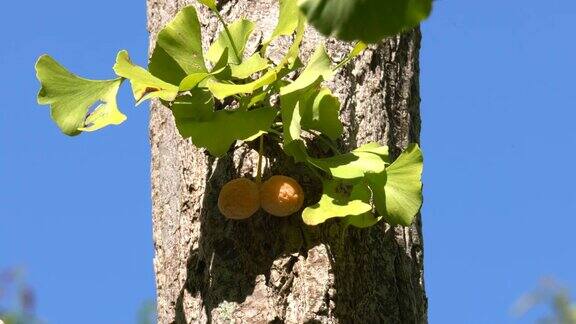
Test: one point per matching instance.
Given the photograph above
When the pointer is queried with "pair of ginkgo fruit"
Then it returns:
(279, 196)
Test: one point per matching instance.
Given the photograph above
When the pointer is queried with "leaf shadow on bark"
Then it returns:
(368, 267)
(232, 254)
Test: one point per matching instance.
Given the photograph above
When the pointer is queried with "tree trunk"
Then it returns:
(268, 269)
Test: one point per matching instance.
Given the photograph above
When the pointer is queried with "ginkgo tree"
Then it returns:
(287, 98)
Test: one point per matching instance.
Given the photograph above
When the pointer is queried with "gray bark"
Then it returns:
(269, 269)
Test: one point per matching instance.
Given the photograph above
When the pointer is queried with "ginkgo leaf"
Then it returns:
(144, 85)
(398, 190)
(240, 31)
(288, 20)
(339, 199)
(210, 4)
(70, 98)
(375, 148)
(290, 60)
(222, 90)
(321, 112)
(351, 165)
(363, 220)
(217, 130)
(366, 20)
(249, 66)
(292, 96)
(319, 67)
(356, 50)
(192, 80)
(178, 50)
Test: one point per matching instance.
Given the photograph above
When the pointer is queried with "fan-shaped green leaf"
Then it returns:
(293, 95)
(366, 20)
(339, 199)
(398, 190)
(222, 90)
(351, 165)
(319, 67)
(70, 97)
(144, 85)
(321, 112)
(240, 31)
(178, 50)
(217, 130)
(375, 148)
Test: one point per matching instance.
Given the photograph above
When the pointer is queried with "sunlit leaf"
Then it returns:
(356, 50)
(292, 96)
(251, 65)
(319, 67)
(217, 130)
(287, 21)
(210, 4)
(192, 80)
(240, 31)
(70, 98)
(290, 60)
(144, 85)
(351, 165)
(375, 148)
(398, 190)
(366, 20)
(222, 69)
(321, 112)
(178, 50)
(339, 199)
(362, 221)
(222, 90)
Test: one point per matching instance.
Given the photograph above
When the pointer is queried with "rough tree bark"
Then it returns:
(269, 269)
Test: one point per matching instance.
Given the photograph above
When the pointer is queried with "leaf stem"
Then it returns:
(273, 131)
(234, 48)
(358, 48)
(260, 153)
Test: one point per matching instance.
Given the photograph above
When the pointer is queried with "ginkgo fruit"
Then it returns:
(239, 199)
(281, 196)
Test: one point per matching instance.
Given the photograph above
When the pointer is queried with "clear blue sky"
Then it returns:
(498, 111)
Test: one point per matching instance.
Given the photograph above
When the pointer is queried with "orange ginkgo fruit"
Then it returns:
(281, 196)
(239, 199)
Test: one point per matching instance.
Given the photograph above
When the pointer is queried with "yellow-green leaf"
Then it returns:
(251, 65)
(287, 21)
(362, 221)
(70, 98)
(351, 165)
(144, 84)
(210, 4)
(339, 200)
(319, 67)
(398, 190)
(217, 130)
(321, 112)
(178, 50)
(240, 31)
(222, 90)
